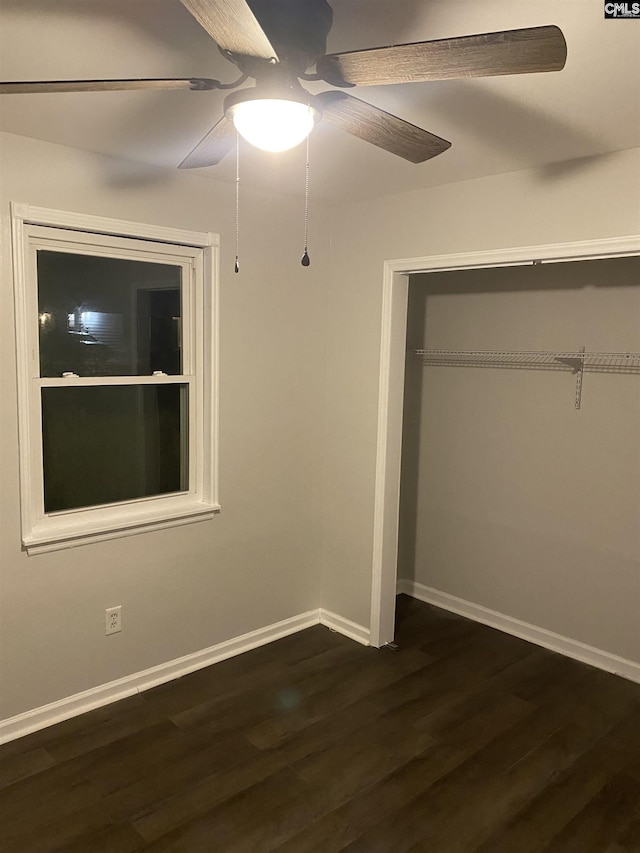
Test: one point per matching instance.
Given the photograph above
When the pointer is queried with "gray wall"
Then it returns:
(258, 562)
(590, 199)
(511, 498)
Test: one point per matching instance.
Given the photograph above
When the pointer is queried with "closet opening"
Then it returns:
(508, 477)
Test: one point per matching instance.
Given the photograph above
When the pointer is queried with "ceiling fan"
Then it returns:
(279, 43)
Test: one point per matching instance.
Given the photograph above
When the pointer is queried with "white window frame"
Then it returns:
(198, 255)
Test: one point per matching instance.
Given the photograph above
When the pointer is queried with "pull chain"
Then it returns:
(305, 258)
(236, 267)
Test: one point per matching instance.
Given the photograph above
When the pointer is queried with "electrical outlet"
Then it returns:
(113, 620)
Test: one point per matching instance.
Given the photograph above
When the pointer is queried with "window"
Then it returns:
(117, 377)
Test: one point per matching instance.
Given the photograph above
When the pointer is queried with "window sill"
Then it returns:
(53, 534)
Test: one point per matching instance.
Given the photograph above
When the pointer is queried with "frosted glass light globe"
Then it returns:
(272, 124)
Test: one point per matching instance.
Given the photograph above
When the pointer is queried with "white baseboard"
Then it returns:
(104, 694)
(345, 626)
(540, 636)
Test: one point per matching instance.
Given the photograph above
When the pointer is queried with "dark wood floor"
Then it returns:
(463, 739)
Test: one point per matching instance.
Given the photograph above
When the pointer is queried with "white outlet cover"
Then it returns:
(113, 620)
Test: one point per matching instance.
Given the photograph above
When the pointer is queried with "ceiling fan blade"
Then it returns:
(233, 26)
(380, 128)
(38, 86)
(215, 145)
(485, 55)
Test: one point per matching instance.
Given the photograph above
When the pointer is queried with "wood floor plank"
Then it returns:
(546, 815)
(609, 814)
(260, 699)
(82, 782)
(335, 830)
(628, 841)
(236, 823)
(13, 768)
(205, 794)
(77, 834)
(391, 794)
(104, 732)
(110, 839)
(367, 678)
(434, 819)
(134, 799)
(55, 797)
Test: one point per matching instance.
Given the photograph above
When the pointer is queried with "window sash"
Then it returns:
(41, 238)
(194, 457)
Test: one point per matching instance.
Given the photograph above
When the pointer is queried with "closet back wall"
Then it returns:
(511, 498)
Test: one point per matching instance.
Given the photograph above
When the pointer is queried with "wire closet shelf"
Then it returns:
(575, 361)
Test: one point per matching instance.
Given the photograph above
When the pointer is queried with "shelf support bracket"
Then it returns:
(579, 374)
(576, 364)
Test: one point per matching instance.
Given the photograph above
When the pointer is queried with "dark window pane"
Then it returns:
(113, 443)
(108, 317)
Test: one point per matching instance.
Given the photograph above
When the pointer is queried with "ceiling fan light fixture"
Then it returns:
(276, 122)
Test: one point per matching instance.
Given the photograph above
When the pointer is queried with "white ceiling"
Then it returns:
(497, 124)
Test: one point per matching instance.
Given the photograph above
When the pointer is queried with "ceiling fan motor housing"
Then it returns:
(278, 87)
(297, 29)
